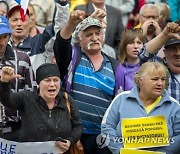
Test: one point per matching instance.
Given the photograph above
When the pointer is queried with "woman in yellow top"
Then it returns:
(145, 117)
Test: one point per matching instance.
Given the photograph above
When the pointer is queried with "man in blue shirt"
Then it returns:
(92, 81)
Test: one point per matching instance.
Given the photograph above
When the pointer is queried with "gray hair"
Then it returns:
(149, 6)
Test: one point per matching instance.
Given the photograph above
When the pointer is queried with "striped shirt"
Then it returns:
(21, 63)
(93, 91)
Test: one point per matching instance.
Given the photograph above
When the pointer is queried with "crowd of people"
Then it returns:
(86, 68)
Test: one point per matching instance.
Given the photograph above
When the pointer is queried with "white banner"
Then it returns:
(11, 147)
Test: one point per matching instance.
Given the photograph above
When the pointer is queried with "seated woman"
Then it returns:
(45, 114)
(143, 108)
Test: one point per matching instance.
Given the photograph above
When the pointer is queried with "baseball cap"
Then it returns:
(4, 26)
(83, 25)
(88, 22)
(15, 8)
(171, 42)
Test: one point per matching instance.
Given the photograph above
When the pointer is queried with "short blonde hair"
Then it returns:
(149, 68)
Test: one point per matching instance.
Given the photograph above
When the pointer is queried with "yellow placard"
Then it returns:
(133, 151)
(144, 132)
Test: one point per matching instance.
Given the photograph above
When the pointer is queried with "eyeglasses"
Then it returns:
(148, 17)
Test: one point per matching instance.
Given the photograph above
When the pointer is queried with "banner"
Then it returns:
(145, 132)
(11, 147)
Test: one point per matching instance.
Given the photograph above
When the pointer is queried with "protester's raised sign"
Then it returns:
(145, 132)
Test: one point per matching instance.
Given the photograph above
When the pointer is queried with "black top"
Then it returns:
(39, 123)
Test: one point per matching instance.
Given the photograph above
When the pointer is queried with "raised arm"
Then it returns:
(62, 45)
(170, 31)
(60, 19)
(62, 15)
(75, 18)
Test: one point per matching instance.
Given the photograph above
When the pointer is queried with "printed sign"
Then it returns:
(145, 132)
(133, 151)
(10, 147)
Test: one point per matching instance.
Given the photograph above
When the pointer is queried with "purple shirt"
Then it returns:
(130, 70)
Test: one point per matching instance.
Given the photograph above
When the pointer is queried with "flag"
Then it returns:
(24, 6)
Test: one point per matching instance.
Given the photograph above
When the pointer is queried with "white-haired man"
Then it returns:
(91, 77)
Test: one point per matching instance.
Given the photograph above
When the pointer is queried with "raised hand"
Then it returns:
(172, 30)
(76, 16)
(100, 14)
(148, 23)
(158, 29)
(7, 74)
